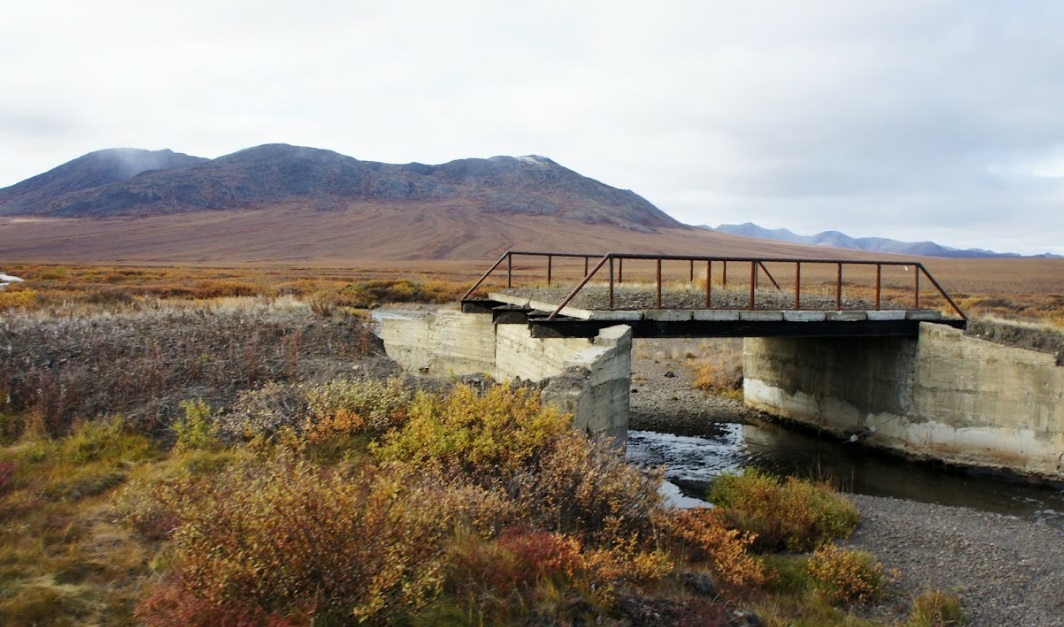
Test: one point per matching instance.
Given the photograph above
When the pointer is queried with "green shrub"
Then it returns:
(794, 514)
(106, 442)
(197, 430)
(845, 577)
(936, 609)
(490, 436)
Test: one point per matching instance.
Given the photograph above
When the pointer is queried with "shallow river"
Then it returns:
(693, 461)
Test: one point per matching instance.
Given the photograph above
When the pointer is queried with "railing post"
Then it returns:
(484, 277)
(724, 278)
(620, 270)
(838, 289)
(585, 265)
(879, 282)
(659, 284)
(509, 270)
(942, 292)
(709, 280)
(753, 282)
(916, 286)
(692, 279)
(611, 282)
(797, 285)
(550, 268)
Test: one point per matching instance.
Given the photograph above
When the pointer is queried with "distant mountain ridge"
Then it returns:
(835, 239)
(130, 182)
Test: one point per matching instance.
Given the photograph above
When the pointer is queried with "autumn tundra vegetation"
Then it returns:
(231, 447)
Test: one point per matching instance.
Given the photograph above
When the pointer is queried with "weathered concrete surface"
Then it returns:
(446, 342)
(588, 378)
(944, 396)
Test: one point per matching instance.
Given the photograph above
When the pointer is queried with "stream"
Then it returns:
(692, 462)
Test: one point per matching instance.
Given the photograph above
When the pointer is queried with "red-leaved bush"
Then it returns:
(7, 470)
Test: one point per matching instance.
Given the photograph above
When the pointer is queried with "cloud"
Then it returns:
(890, 118)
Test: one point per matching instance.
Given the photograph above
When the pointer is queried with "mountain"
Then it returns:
(836, 239)
(94, 170)
(112, 183)
(281, 205)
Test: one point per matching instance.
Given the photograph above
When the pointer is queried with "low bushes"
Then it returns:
(846, 577)
(473, 497)
(143, 365)
(936, 609)
(292, 539)
(791, 514)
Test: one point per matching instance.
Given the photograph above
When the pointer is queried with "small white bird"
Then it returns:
(863, 434)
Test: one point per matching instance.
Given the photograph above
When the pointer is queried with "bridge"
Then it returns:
(843, 346)
(662, 296)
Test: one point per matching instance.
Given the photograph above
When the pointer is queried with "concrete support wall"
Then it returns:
(945, 396)
(444, 343)
(588, 378)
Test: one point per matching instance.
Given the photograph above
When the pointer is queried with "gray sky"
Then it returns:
(915, 120)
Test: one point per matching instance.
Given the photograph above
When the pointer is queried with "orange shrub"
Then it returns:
(285, 537)
(707, 538)
(517, 560)
(344, 408)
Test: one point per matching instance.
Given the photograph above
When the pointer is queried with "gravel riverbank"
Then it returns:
(1006, 570)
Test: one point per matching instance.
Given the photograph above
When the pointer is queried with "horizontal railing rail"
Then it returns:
(613, 265)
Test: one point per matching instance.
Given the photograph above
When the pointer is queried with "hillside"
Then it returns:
(280, 204)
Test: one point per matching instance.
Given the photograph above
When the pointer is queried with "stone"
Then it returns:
(699, 583)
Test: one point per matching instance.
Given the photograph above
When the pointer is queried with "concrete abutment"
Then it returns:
(588, 378)
(942, 396)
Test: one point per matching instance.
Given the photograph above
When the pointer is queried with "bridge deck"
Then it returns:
(664, 296)
(665, 323)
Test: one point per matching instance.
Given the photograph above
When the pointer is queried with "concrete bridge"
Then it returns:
(876, 354)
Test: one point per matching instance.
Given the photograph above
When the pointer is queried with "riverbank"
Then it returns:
(1005, 569)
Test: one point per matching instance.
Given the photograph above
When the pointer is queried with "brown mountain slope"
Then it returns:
(364, 232)
(429, 239)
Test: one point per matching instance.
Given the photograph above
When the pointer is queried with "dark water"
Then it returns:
(692, 462)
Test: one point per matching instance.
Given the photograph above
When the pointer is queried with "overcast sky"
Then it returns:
(915, 120)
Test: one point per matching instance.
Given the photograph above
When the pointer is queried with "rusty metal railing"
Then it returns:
(613, 263)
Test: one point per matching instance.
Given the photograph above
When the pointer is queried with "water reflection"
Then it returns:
(692, 462)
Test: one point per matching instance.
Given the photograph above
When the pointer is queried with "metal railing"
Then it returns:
(613, 263)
